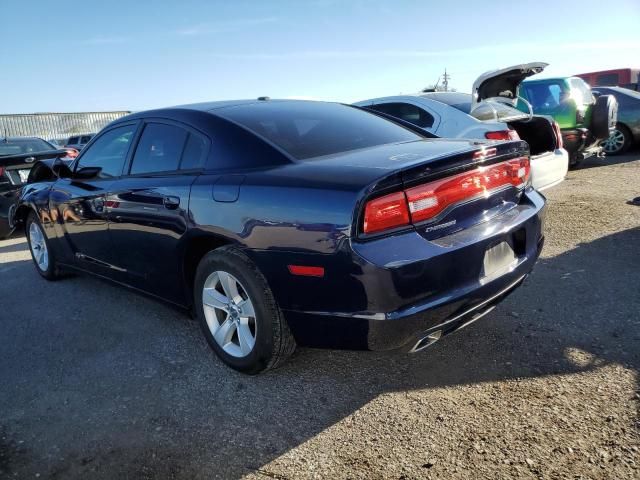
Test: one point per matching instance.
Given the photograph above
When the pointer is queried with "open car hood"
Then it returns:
(502, 85)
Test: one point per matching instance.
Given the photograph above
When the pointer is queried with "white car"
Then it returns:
(488, 113)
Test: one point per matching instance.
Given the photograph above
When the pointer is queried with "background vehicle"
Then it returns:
(621, 77)
(290, 221)
(78, 142)
(13, 177)
(458, 115)
(627, 131)
(583, 119)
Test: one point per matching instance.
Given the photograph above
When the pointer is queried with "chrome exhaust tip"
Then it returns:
(427, 341)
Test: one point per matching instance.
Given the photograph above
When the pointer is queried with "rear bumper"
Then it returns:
(549, 169)
(412, 286)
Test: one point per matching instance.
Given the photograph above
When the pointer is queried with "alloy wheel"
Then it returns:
(38, 247)
(615, 142)
(229, 313)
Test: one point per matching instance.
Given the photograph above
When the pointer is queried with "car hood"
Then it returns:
(502, 84)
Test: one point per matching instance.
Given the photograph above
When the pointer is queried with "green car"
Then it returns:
(584, 119)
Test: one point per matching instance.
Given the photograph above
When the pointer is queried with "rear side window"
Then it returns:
(193, 156)
(407, 112)
(85, 139)
(159, 149)
(581, 91)
(73, 141)
(313, 129)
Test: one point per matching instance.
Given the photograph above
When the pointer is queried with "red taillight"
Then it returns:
(556, 129)
(386, 212)
(427, 201)
(306, 271)
(1, 171)
(502, 135)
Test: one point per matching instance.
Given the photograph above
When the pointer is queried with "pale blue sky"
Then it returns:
(77, 56)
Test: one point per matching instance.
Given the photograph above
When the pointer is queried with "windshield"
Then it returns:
(313, 129)
(17, 146)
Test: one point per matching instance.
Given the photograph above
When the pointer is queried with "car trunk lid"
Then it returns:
(502, 84)
(440, 195)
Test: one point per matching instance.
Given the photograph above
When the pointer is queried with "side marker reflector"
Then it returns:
(306, 271)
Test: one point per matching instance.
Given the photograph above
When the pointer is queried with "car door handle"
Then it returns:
(171, 202)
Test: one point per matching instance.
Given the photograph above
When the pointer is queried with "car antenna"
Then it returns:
(6, 137)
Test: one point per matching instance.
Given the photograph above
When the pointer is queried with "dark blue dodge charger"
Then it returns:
(280, 223)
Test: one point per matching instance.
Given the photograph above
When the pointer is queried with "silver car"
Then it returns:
(488, 113)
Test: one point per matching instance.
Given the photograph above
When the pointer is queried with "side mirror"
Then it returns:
(61, 169)
(86, 173)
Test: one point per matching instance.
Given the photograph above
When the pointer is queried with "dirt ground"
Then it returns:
(99, 382)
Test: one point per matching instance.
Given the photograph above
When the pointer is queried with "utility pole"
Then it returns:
(445, 81)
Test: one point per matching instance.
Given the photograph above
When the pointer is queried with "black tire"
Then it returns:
(51, 272)
(624, 139)
(604, 116)
(574, 160)
(274, 342)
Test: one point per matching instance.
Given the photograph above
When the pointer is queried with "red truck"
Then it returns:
(621, 77)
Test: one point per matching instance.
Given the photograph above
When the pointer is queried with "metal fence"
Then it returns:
(55, 126)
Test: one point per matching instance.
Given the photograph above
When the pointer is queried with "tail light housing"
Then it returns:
(556, 129)
(385, 213)
(425, 202)
(1, 171)
(502, 135)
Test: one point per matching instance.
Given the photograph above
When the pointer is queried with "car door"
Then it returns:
(78, 203)
(148, 207)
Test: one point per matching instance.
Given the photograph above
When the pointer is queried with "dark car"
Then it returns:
(627, 130)
(290, 222)
(79, 141)
(14, 176)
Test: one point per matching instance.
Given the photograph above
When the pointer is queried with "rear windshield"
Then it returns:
(545, 95)
(313, 129)
(459, 101)
(19, 146)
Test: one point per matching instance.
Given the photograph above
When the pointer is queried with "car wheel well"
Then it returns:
(20, 215)
(197, 248)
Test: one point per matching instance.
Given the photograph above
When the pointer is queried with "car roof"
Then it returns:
(206, 107)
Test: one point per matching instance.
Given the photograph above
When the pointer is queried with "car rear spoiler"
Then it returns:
(27, 158)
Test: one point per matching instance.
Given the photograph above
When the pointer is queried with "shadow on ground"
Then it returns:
(100, 382)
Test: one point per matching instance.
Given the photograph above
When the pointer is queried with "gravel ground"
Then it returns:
(98, 382)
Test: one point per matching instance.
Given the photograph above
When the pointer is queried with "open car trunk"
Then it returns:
(538, 132)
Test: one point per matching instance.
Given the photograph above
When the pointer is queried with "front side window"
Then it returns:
(85, 139)
(407, 112)
(159, 149)
(72, 141)
(109, 151)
